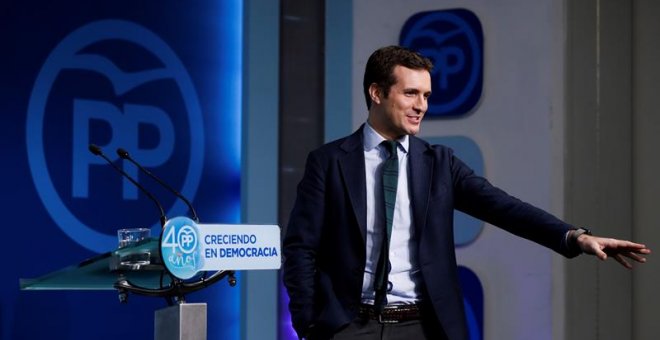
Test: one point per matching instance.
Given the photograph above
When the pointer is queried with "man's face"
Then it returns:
(401, 112)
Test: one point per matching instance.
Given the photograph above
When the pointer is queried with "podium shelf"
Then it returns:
(102, 272)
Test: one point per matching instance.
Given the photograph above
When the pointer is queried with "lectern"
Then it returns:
(187, 257)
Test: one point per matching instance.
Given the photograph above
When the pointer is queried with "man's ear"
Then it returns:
(375, 93)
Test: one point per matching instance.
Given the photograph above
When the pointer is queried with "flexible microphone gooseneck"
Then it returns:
(124, 155)
(96, 150)
(178, 288)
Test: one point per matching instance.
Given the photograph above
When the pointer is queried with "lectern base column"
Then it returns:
(183, 321)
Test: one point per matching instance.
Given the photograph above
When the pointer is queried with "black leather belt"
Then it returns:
(391, 313)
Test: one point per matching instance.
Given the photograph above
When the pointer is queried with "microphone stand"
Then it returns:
(178, 288)
(123, 154)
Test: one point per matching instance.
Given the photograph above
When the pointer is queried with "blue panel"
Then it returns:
(160, 79)
(473, 298)
(453, 40)
(338, 71)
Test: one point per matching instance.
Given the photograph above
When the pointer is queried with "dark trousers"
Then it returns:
(368, 329)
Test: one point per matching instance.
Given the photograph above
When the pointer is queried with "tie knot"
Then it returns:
(390, 146)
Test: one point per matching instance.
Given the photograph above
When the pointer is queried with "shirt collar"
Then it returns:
(372, 139)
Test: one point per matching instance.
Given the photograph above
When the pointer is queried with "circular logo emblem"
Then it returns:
(180, 247)
(125, 112)
(453, 40)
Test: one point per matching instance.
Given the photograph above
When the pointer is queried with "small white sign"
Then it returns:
(239, 246)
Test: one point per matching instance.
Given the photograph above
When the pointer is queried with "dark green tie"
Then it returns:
(390, 180)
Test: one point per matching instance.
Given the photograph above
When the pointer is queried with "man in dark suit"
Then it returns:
(358, 195)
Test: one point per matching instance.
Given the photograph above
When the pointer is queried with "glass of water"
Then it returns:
(129, 237)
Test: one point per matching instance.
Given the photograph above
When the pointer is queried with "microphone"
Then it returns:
(98, 152)
(124, 155)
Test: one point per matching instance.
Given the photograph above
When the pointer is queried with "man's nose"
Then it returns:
(421, 104)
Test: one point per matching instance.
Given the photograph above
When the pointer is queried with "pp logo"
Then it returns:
(180, 247)
(187, 239)
(453, 40)
(115, 84)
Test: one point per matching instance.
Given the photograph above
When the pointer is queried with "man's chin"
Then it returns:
(413, 132)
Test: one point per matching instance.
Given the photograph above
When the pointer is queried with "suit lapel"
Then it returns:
(420, 168)
(353, 173)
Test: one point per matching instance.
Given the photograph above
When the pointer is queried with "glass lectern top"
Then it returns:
(103, 271)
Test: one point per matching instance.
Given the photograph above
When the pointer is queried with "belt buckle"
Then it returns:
(386, 321)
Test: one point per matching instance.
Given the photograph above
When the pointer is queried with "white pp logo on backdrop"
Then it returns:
(72, 54)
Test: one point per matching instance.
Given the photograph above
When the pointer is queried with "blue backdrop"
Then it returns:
(160, 79)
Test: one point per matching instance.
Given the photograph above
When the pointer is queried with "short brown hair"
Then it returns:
(381, 63)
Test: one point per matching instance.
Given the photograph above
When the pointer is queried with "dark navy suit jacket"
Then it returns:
(325, 242)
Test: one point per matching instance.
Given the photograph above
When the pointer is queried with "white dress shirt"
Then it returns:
(405, 277)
